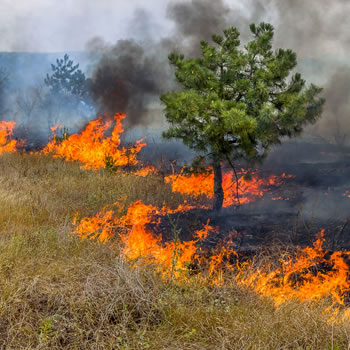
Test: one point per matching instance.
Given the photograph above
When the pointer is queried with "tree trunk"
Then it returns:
(218, 191)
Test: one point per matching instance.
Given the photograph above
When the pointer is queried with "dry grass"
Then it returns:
(59, 292)
(39, 192)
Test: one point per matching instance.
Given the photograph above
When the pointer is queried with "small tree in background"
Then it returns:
(236, 102)
(69, 91)
(68, 80)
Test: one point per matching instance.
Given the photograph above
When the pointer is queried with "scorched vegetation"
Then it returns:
(99, 251)
(61, 292)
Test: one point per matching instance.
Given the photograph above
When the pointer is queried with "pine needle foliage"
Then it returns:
(237, 101)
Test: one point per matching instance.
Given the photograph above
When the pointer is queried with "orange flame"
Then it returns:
(310, 275)
(56, 127)
(139, 242)
(202, 184)
(146, 170)
(93, 149)
(6, 132)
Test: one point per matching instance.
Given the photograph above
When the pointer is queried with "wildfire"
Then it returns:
(146, 170)
(309, 275)
(6, 132)
(93, 149)
(139, 243)
(249, 189)
(312, 274)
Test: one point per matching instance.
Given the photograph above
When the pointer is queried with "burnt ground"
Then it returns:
(314, 199)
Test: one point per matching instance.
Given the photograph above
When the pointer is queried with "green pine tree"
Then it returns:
(238, 101)
(68, 81)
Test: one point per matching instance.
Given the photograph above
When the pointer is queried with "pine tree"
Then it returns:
(69, 92)
(67, 80)
(238, 101)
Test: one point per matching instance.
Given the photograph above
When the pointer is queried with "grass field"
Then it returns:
(61, 292)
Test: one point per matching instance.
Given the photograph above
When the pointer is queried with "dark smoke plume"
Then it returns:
(194, 21)
(126, 79)
(130, 75)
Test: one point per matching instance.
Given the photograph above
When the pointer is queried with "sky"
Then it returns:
(67, 25)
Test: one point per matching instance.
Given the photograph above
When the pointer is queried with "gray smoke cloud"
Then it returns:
(126, 79)
(334, 127)
(194, 21)
(130, 74)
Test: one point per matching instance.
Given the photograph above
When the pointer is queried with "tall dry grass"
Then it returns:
(39, 192)
(59, 292)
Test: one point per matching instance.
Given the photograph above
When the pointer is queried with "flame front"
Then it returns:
(139, 243)
(93, 149)
(309, 276)
(249, 190)
(6, 132)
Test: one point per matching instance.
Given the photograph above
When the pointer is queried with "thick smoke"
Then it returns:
(194, 21)
(126, 79)
(334, 127)
(130, 75)
(312, 28)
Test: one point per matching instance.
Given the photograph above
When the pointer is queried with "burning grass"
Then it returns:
(37, 191)
(67, 293)
(7, 144)
(92, 148)
(308, 275)
(60, 292)
(250, 185)
(139, 291)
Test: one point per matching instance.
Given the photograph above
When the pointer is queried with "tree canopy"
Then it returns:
(236, 101)
(67, 80)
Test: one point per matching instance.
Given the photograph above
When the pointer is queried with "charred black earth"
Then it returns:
(316, 198)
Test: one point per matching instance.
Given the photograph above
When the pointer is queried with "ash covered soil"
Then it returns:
(315, 198)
